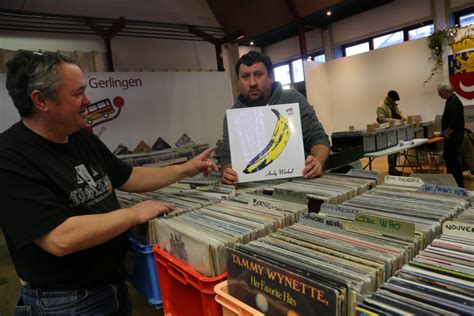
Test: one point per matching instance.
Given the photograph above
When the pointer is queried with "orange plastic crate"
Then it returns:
(232, 306)
(184, 291)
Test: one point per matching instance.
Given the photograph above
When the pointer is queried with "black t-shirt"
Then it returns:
(44, 183)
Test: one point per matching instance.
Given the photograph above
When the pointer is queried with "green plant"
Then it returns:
(436, 42)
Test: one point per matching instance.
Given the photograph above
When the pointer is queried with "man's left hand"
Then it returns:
(201, 163)
(312, 168)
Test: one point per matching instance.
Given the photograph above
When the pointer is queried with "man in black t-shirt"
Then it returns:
(62, 222)
(452, 128)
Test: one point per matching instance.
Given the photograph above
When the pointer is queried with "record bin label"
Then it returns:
(339, 211)
(459, 229)
(322, 222)
(262, 204)
(404, 181)
(387, 226)
(290, 196)
(441, 189)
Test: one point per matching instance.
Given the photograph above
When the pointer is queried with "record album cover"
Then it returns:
(160, 144)
(266, 142)
(275, 291)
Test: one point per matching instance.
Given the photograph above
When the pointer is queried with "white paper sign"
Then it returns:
(266, 142)
(459, 229)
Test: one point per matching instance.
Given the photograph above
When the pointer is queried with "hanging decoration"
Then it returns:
(459, 39)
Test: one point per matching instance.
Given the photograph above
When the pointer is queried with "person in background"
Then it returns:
(388, 111)
(257, 88)
(452, 129)
(63, 225)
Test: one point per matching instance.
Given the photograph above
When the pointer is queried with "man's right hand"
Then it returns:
(229, 176)
(150, 209)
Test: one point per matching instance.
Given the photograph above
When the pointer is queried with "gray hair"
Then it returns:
(33, 70)
(445, 86)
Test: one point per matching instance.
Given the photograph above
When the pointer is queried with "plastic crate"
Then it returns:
(232, 306)
(185, 291)
(392, 139)
(143, 275)
(381, 139)
(349, 139)
(401, 133)
(410, 131)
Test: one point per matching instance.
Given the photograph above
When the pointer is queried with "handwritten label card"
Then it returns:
(440, 189)
(387, 226)
(459, 229)
(404, 181)
(290, 196)
(339, 211)
(321, 222)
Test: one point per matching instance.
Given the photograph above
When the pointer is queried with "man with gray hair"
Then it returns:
(63, 225)
(452, 128)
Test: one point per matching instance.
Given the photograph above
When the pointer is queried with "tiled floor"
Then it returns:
(9, 289)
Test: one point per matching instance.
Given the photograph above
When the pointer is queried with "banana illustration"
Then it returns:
(280, 136)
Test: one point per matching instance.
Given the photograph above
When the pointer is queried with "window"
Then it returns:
(387, 40)
(466, 19)
(298, 73)
(357, 49)
(320, 58)
(420, 32)
(411, 32)
(290, 73)
(282, 74)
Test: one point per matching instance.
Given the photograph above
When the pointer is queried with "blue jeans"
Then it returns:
(112, 299)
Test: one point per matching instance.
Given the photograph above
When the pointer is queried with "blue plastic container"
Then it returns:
(143, 274)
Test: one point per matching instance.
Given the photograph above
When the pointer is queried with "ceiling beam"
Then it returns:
(217, 42)
(301, 28)
(107, 35)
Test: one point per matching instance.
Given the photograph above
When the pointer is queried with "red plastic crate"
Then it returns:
(184, 291)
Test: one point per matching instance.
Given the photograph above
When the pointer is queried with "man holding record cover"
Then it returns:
(63, 224)
(257, 88)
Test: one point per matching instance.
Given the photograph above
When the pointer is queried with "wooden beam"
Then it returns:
(107, 35)
(301, 30)
(217, 42)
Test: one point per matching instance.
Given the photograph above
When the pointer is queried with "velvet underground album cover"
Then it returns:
(266, 142)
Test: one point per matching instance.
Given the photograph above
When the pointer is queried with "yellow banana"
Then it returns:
(280, 136)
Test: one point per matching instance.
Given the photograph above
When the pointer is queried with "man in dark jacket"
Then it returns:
(258, 89)
(452, 128)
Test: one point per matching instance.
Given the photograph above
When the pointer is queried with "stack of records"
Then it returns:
(426, 211)
(329, 188)
(146, 158)
(201, 180)
(200, 238)
(311, 268)
(344, 253)
(439, 281)
(467, 215)
(181, 195)
(264, 187)
(185, 201)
